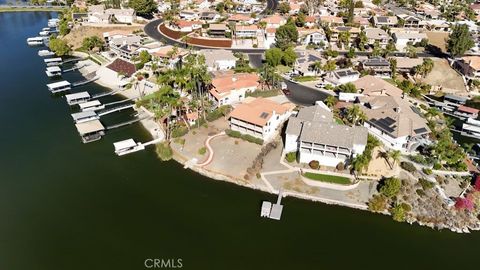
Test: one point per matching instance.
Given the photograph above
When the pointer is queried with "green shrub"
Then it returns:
(218, 113)
(233, 133)
(314, 164)
(427, 171)
(437, 166)
(408, 166)
(245, 137)
(164, 151)
(398, 213)
(420, 192)
(406, 207)
(426, 184)
(291, 157)
(378, 203)
(179, 131)
(418, 159)
(391, 187)
(202, 151)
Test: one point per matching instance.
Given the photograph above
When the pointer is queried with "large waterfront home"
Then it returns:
(314, 135)
(230, 88)
(259, 117)
(394, 121)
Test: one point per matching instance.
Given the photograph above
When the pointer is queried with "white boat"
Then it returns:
(45, 53)
(127, 147)
(35, 41)
(53, 71)
(46, 29)
(44, 33)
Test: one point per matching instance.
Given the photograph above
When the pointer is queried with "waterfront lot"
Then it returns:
(231, 156)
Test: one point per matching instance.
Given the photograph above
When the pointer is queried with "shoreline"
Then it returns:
(152, 127)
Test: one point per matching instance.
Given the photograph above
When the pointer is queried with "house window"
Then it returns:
(278, 117)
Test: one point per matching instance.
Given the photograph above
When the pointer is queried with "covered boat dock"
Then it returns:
(58, 87)
(77, 98)
(86, 116)
(90, 131)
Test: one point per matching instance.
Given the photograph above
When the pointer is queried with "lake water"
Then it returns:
(68, 205)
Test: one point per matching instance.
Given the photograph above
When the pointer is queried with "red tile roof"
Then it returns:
(122, 66)
(468, 109)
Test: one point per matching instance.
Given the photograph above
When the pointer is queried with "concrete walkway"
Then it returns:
(209, 148)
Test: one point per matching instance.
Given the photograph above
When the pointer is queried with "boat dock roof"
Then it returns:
(54, 69)
(83, 115)
(89, 104)
(80, 95)
(50, 60)
(58, 84)
(125, 144)
(89, 127)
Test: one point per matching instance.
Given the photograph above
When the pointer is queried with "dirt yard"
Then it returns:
(443, 75)
(438, 39)
(78, 33)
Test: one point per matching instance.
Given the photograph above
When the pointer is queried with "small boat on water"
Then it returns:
(44, 33)
(127, 147)
(45, 53)
(35, 41)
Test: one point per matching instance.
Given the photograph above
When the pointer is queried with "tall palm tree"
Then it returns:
(317, 67)
(395, 156)
(355, 115)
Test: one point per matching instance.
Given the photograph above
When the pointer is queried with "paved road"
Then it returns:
(304, 95)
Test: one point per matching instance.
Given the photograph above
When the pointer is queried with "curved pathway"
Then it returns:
(210, 150)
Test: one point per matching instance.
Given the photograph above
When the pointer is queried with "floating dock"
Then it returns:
(272, 211)
(127, 146)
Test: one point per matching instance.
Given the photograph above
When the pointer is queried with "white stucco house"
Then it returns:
(314, 135)
(259, 117)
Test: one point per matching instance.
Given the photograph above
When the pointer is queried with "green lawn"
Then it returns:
(264, 93)
(328, 178)
(305, 79)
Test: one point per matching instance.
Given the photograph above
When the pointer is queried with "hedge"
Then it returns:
(408, 166)
(248, 138)
(179, 131)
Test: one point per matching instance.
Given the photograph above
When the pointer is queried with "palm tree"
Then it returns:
(317, 67)
(432, 112)
(395, 156)
(331, 101)
(411, 51)
(343, 39)
(331, 65)
(393, 67)
(355, 115)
